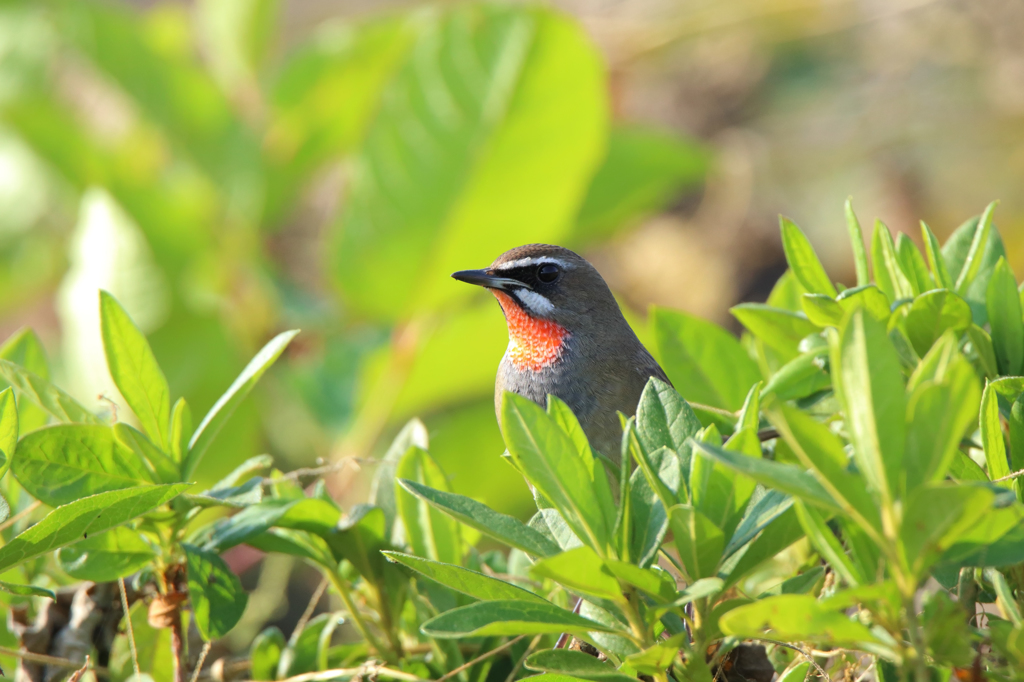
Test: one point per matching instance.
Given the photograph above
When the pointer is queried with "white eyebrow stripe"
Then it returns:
(535, 302)
(522, 262)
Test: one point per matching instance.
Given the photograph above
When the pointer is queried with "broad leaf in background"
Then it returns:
(513, 147)
(44, 394)
(429, 532)
(955, 252)
(1002, 302)
(803, 261)
(706, 362)
(25, 349)
(218, 598)
(509, 617)
(73, 522)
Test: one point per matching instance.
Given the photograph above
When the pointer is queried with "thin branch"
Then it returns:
(311, 606)
(51, 660)
(20, 515)
(128, 622)
(199, 665)
(481, 657)
(563, 639)
(806, 654)
(1007, 477)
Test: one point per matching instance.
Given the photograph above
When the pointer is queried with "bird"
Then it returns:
(567, 337)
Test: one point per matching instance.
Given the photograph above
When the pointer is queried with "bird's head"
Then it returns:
(547, 293)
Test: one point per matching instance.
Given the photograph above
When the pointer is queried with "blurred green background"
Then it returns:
(232, 168)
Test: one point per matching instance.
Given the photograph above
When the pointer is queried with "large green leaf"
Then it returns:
(704, 360)
(1004, 316)
(936, 516)
(135, 371)
(227, 403)
(218, 598)
(73, 522)
(955, 254)
(975, 256)
(509, 617)
(265, 653)
(827, 544)
(802, 260)
(114, 554)
(860, 257)
(935, 260)
(383, 492)
(913, 264)
(663, 418)
(992, 439)
(66, 462)
(886, 264)
(501, 527)
(472, 583)
(574, 663)
(550, 461)
(430, 533)
(24, 348)
(580, 570)
(868, 382)
(699, 541)
(510, 143)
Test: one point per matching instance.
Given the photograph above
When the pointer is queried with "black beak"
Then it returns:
(483, 278)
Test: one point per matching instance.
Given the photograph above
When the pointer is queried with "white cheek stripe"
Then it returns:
(536, 303)
(531, 261)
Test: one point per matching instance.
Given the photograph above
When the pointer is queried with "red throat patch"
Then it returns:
(533, 344)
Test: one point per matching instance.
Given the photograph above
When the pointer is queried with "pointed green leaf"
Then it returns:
(75, 521)
(429, 532)
(181, 429)
(45, 395)
(24, 348)
(888, 272)
(226, 404)
(509, 617)
(463, 580)
(827, 545)
(803, 262)
(161, 467)
(974, 258)
(663, 418)
(135, 371)
(868, 297)
(860, 258)
(781, 330)
(116, 553)
(580, 570)
(931, 314)
(501, 527)
(913, 264)
(822, 310)
(794, 617)
(1004, 316)
(699, 541)
(992, 436)
(935, 260)
(577, 664)
(8, 429)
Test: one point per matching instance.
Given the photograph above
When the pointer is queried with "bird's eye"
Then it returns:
(548, 273)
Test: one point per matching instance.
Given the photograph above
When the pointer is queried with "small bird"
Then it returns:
(566, 337)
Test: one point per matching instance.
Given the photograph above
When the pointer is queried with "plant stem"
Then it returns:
(177, 647)
(913, 627)
(344, 591)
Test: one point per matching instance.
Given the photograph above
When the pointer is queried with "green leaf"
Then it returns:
(656, 659)
(913, 264)
(699, 541)
(794, 618)
(936, 516)
(868, 297)
(161, 468)
(135, 371)
(827, 545)
(8, 429)
(935, 260)
(982, 344)
(975, 254)
(781, 330)
(226, 404)
(514, 141)
(822, 310)
(507, 529)
(73, 522)
(931, 314)
(704, 358)
(45, 395)
(992, 436)
(802, 376)
(1004, 316)
(429, 532)
(860, 258)
(647, 512)
(383, 492)
(463, 580)
(955, 252)
(563, 416)
(509, 617)
(963, 468)
(218, 598)
(550, 461)
(580, 570)
(888, 270)
(63, 463)
(698, 589)
(181, 429)
(796, 672)
(866, 376)
(265, 653)
(116, 553)
(821, 451)
(785, 477)
(575, 663)
(24, 348)
(27, 590)
(802, 260)
(1008, 605)
(938, 414)
(778, 533)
